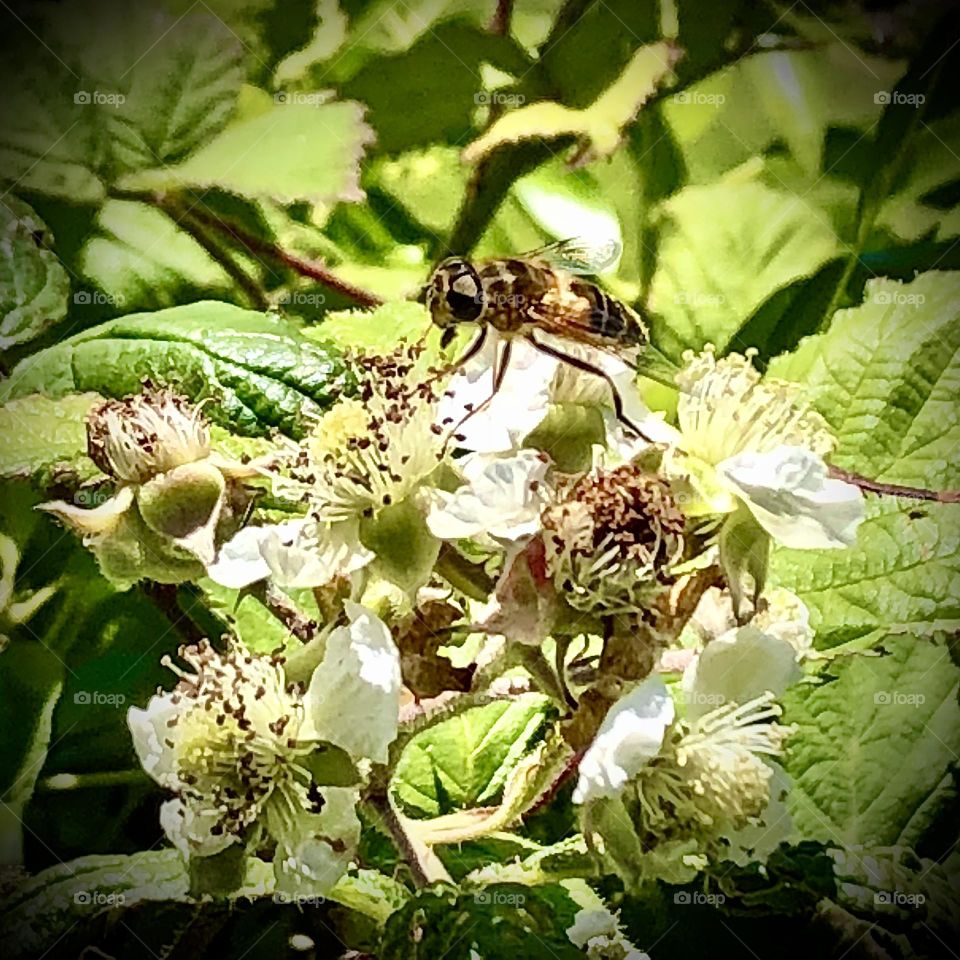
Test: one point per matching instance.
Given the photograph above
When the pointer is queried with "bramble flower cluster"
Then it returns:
(601, 565)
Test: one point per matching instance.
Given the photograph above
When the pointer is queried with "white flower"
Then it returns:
(738, 667)
(712, 777)
(367, 453)
(631, 735)
(781, 613)
(751, 440)
(295, 554)
(534, 381)
(145, 435)
(233, 741)
(756, 839)
(597, 932)
(354, 694)
(503, 498)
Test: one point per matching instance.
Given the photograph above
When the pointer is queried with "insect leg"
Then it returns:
(500, 363)
(468, 355)
(588, 367)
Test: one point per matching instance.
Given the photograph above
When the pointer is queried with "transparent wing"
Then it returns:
(579, 256)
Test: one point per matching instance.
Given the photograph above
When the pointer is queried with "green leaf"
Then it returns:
(294, 151)
(894, 888)
(501, 920)
(464, 761)
(886, 377)
(33, 284)
(44, 907)
(874, 747)
(31, 679)
(427, 94)
(114, 94)
(260, 372)
(371, 893)
(714, 271)
(37, 433)
(599, 127)
(142, 260)
(174, 79)
(372, 331)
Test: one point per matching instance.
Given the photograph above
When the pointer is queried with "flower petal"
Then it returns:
(631, 735)
(516, 409)
(738, 667)
(505, 500)
(315, 854)
(306, 554)
(190, 831)
(353, 699)
(152, 737)
(97, 522)
(240, 561)
(794, 500)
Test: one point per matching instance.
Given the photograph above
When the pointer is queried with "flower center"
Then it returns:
(725, 409)
(140, 437)
(371, 452)
(236, 737)
(621, 523)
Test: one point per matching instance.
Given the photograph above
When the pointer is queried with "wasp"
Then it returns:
(545, 290)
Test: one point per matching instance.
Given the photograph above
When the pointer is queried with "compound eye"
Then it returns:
(465, 297)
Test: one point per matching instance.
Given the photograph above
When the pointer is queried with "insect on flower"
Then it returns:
(545, 291)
